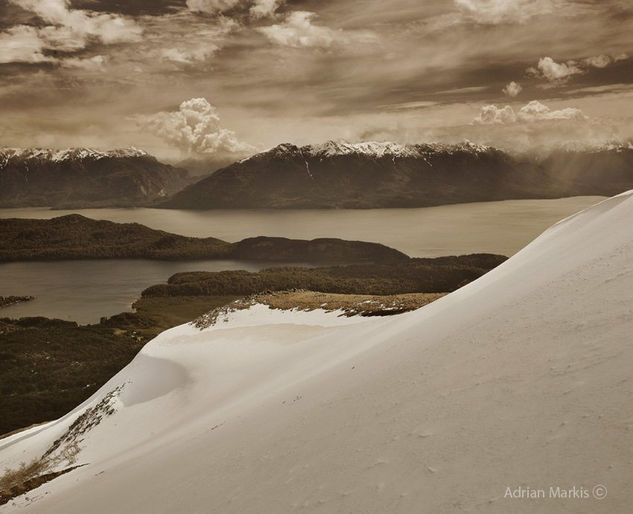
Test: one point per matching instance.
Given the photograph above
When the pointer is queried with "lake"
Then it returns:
(84, 291)
(493, 227)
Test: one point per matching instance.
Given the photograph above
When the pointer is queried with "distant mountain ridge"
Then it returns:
(378, 175)
(323, 176)
(84, 177)
(376, 149)
(58, 155)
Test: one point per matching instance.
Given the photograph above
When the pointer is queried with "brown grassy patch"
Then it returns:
(349, 304)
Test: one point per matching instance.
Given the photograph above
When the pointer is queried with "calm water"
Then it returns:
(86, 290)
(495, 227)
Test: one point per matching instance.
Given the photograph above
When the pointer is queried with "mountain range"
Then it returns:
(82, 177)
(324, 176)
(378, 175)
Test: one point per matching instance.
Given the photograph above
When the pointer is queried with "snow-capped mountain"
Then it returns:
(382, 174)
(376, 149)
(84, 177)
(66, 154)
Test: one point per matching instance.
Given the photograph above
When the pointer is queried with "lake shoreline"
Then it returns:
(7, 301)
(502, 227)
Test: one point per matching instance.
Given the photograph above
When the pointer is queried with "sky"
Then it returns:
(222, 79)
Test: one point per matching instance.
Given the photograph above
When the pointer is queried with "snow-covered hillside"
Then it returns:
(522, 378)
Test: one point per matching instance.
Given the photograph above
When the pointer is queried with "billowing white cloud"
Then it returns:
(194, 129)
(491, 114)
(534, 111)
(555, 72)
(560, 73)
(512, 89)
(504, 11)
(298, 31)
(67, 30)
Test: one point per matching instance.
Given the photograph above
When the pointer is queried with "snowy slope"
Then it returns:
(522, 378)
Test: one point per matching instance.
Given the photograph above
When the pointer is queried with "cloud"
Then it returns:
(605, 89)
(194, 129)
(108, 28)
(256, 8)
(190, 54)
(491, 114)
(264, 8)
(53, 11)
(298, 31)
(95, 63)
(199, 45)
(212, 6)
(60, 38)
(532, 112)
(560, 73)
(66, 30)
(22, 43)
(554, 72)
(512, 89)
(493, 12)
(536, 111)
(598, 61)
(602, 61)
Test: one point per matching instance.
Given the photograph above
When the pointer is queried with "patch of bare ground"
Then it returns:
(348, 304)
